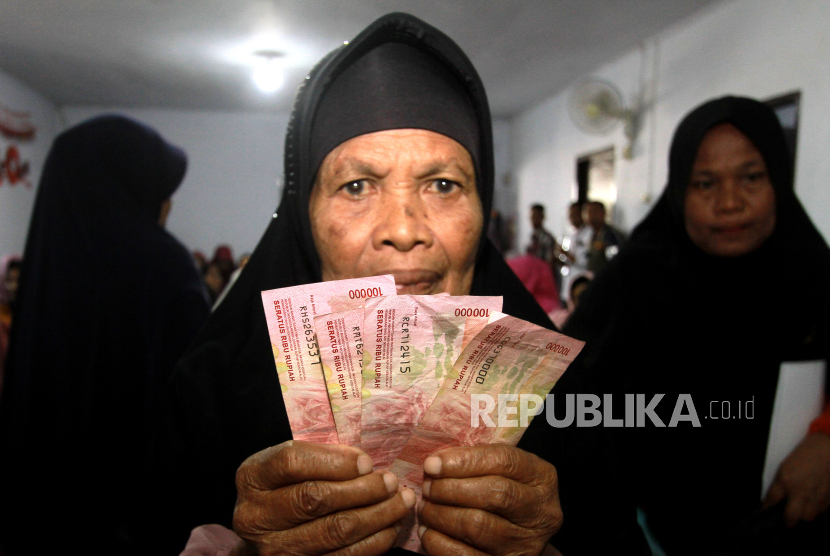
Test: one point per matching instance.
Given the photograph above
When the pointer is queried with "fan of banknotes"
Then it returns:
(398, 375)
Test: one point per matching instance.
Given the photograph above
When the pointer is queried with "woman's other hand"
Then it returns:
(804, 480)
(306, 498)
(495, 499)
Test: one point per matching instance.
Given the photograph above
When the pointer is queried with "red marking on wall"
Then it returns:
(16, 125)
(12, 170)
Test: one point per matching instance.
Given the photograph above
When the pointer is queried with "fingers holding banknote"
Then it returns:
(306, 498)
(495, 499)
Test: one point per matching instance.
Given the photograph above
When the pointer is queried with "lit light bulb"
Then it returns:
(268, 72)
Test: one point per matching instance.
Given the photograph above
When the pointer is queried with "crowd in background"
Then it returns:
(220, 272)
(557, 273)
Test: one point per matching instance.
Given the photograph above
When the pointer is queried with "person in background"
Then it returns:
(573, 252)
(605, 241)
(108, 301)
(537, 277)
(223, 259)
(542, 243)
(703, 302)
(9, 277)
(200, 260)
(214, 281)
(578, 285)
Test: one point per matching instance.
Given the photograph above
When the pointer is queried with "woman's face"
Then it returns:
(11, 281)
(730, 202)
(401, 202)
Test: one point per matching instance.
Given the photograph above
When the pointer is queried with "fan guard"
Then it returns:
(596, 107)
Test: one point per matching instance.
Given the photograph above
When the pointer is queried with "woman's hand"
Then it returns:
(804, 480)
(306, 498)
(495, 499)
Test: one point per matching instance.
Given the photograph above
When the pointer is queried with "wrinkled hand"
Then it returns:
(804, 480)
(495, 499)
(306, 498)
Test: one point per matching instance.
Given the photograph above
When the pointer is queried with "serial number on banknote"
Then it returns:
(405, 353)
(358, 341)
(310, 337)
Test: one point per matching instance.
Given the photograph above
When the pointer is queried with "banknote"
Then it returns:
(411, 344)
(290, 314)
(340, 338)
(508, 356)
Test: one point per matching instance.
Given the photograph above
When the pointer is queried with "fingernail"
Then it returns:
(391, 482)
(421, 506)
(432, 466)
(364, 464)
(408, 498)
(425, 487)
(398, 527)
(421, 530)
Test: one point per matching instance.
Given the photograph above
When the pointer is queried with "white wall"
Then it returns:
(16, 202)
(757, 48)
(504, 198)
(546, 144)
(231, 187)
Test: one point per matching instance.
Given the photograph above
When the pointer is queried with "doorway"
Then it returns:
(595, 179)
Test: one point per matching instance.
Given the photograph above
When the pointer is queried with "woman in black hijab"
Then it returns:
(108, 302)
(401, 91)
(723, 281)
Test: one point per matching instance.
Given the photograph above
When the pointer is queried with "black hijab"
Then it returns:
(108, 301)
(225, 402)
(665, 317)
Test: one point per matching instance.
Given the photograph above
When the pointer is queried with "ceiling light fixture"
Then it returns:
(269, 71)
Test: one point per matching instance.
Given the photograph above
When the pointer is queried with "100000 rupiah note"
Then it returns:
(340, 338)
(411, 344)
(509, 356)
(290, 314)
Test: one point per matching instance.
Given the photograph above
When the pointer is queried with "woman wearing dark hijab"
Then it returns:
(108, 302)
(388, 169)
(723, 281)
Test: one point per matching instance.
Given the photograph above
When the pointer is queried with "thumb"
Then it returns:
(777, 492)
(794, 510)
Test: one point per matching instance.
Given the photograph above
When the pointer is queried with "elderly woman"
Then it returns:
(724, 281)
(388, 169)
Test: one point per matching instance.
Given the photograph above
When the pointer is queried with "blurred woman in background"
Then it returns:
(108, 301)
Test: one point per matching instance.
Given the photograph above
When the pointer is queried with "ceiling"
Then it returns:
(198, 54)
